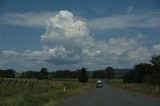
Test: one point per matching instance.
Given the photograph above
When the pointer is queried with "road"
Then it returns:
(110, 96)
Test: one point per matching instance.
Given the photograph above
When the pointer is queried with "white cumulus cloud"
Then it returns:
(28, 19)
(66, 35)
(9, 53)
(125, 21)
(156, 49)
(67, 42)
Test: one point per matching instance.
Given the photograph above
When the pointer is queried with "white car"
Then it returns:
(99, 84)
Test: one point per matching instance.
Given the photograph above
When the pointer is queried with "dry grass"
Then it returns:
(144, 89)
(23, 92)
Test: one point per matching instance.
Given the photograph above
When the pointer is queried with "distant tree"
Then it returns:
(140, 70)
(154, 77)
(109, 73)
(155, 60)
(128, 77)
(65, 74)
(43, 74)
(9, 73)
(144, 72)
(23, 75)
(34, 74)
(83, 75)
(138, 73)
(74, 74)
(29, 74)
(52, 74)
(99, 74)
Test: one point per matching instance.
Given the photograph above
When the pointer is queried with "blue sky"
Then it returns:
(69, 34)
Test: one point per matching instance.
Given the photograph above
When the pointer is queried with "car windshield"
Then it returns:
(99, 83)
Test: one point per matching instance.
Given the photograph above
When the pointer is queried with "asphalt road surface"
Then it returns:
(110, 96)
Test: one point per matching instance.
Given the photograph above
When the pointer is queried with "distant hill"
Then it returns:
(121, 71)
(118, 72)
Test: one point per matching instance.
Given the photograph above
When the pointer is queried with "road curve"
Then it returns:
(110, 96)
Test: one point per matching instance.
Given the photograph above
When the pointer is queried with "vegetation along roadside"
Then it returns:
(24, 92)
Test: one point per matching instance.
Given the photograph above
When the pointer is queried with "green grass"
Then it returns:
(23, 92)
(144, 89)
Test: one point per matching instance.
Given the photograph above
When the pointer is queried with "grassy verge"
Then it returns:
(20, 92)
(144, 89)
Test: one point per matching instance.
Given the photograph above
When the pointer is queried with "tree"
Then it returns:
(138, 73)
(65, 74)
(83, 75)
(140, 70)
(23, 75)
(29, 74)
(43, 74)
(154, 77)
(128, 77)
(156, 64)
(144, 72)
(109, 73)
(155, 60)
(99, 74)
(9, 73)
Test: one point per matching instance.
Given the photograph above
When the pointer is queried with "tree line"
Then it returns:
(144, 72)
(9, 73)
(64, 74)
(82, 74)
(42, 74)
(107, 73)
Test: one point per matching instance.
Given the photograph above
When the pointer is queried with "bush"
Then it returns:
(83, 75)
(9, 73)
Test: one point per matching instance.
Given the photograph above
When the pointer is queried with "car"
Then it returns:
(99, 84)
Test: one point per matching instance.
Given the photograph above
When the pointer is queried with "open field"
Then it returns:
(26, 92)
(144, 89)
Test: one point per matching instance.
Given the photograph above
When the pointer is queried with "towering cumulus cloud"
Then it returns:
(67, 41)
(65, 29)
(66, 37)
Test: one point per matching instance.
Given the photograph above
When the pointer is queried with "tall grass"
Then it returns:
(142, 88)
(24, 92)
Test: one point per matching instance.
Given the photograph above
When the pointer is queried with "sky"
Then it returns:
(70, 34)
